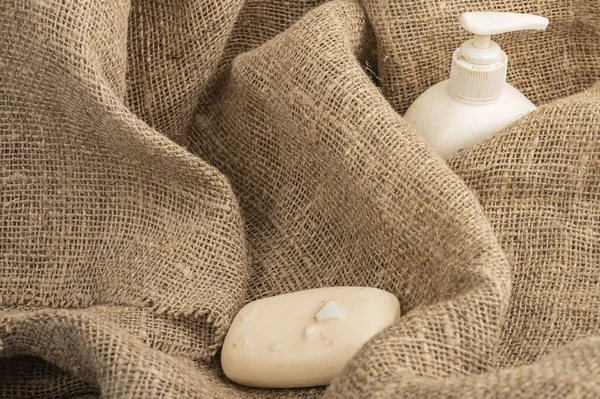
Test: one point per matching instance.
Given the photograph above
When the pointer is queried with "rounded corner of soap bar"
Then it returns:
(303, 338)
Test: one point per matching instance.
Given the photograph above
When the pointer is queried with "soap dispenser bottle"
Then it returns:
(476, 101)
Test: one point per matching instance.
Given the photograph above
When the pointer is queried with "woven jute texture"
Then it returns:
(165, 162)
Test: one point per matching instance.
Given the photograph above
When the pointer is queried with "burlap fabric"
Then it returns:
(164, 162)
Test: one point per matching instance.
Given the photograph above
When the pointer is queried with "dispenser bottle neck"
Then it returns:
(482, 41)
(479, 66)
(479, 75)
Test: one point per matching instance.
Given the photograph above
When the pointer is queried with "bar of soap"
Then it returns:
(304, 338)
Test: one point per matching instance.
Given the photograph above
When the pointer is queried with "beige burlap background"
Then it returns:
(165, 161)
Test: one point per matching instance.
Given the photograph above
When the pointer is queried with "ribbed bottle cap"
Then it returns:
(477, 83)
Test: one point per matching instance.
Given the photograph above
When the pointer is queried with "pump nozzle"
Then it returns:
(479, 65)
(485, 24)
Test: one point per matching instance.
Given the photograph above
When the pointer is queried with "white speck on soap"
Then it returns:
(309, 330)
(329, 311)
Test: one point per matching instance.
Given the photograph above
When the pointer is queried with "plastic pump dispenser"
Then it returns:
(476, 101)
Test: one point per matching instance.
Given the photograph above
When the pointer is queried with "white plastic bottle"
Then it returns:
(476, 101)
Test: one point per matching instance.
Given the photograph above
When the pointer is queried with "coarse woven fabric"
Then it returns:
(165, 162)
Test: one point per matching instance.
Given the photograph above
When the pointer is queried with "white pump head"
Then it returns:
(479, 65)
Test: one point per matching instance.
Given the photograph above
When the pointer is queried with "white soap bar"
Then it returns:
(303, 338)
